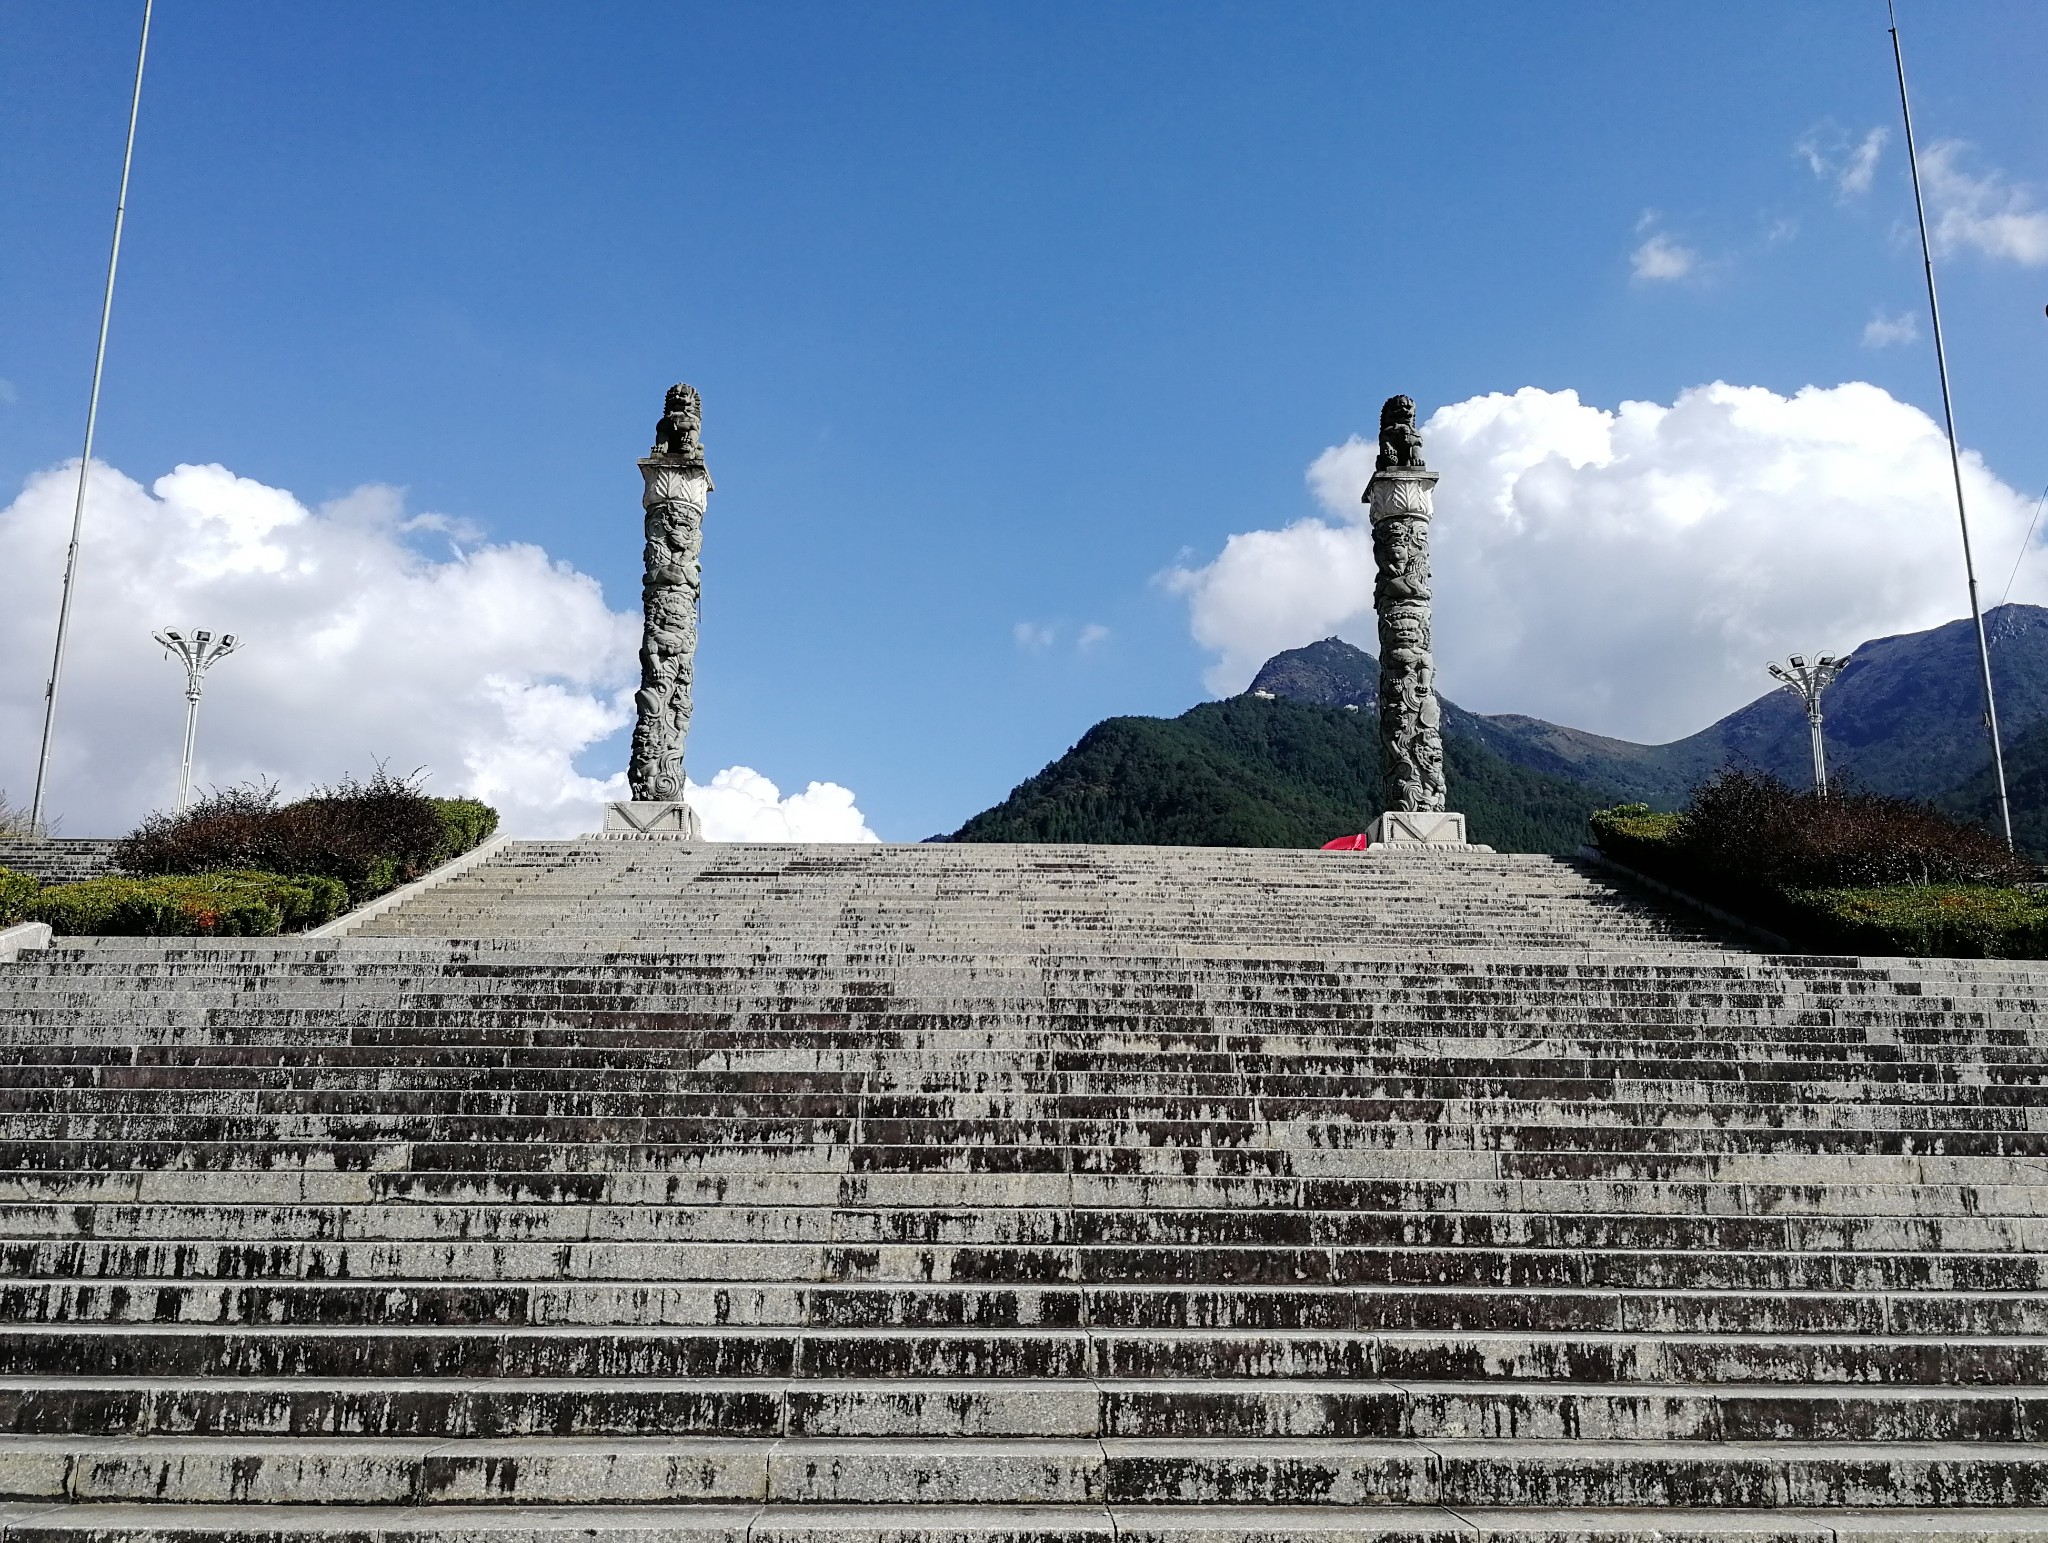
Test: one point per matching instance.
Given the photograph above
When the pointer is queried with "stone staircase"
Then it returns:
(787, 1195)
(59, 859)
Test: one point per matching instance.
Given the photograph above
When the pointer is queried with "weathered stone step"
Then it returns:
(1046, 1471)
(1667, 1151)
(954, 1181)
(1372, 1124)
(1269, 1409)
(815, 1173)
(755, 1060)
(1086, 1206)
(1856, 1230)
(761, 1523)
(1073, 1090)
(204, 1261)
(394, 1302)
(425, 1350)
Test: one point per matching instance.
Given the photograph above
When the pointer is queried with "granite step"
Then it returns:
(796, 1470)
(455, 1407)
(769, 1523)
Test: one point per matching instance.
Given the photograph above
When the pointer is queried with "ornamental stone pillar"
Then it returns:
(1411, 718)
(676, 489)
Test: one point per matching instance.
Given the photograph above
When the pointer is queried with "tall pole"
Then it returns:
(198, 653)
(92, 414)
(191, 733)
(1955, 458)
(1807, 682)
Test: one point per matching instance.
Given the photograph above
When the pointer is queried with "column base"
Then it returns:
(1437, 829)
(670, 820)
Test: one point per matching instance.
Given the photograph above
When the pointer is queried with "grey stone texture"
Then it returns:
(59, 859)
(1423, 827)
(676, 489)
(630, 819)
(645, 1190)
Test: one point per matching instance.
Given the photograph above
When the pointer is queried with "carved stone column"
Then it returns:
(676, 491)
(1411, 718)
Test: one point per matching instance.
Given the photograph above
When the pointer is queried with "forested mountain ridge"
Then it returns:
(1295, 760)
(1904, 717)
(1256, 771)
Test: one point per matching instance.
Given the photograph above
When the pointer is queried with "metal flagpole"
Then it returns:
(1955, 459)
(92, 414)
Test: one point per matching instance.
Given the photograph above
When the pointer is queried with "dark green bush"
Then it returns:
(17, 893)
(1751, 828)
(233, 904)
(372, 836)
(1850, 873)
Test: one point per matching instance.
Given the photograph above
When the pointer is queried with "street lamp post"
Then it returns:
(1807, 681)
(198, 653)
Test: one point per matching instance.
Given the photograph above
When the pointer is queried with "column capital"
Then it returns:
(1403, 493)
(674, 479)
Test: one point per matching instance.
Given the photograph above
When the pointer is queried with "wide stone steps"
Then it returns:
(200, 1261)
(803, 1470)
(1270, 1409)
(650, 1191)
(999, 1305)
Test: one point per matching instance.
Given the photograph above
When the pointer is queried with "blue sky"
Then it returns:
(998, 312)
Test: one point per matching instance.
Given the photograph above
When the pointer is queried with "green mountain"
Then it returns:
(1904, 716)
(1295, 761)
(1258, 771)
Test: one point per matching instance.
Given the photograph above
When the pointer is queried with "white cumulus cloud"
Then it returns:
(491, 666)
(1631, 571)
(739, 804)
(1981, 211)
(1889, 327)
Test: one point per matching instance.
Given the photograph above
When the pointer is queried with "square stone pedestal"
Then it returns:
(1439, 829)
(675, 821)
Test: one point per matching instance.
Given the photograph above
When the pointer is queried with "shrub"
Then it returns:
(17, 893)
(228, 828)
(465, 823)
(1751, 828)
(234, 904)
(1954, 921)
(1853, 872)
(372, 835)
(1635, 834)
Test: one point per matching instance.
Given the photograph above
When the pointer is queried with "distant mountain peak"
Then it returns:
(1328, 673)
(1904, 717)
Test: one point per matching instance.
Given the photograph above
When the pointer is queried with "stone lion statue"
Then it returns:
(682, 423)
(1400, 444)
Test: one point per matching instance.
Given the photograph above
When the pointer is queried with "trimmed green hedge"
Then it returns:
(1952, 921)
(1637, 835)
(465, 823)
(237, 904)
(1949, 921)
(17, 892)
